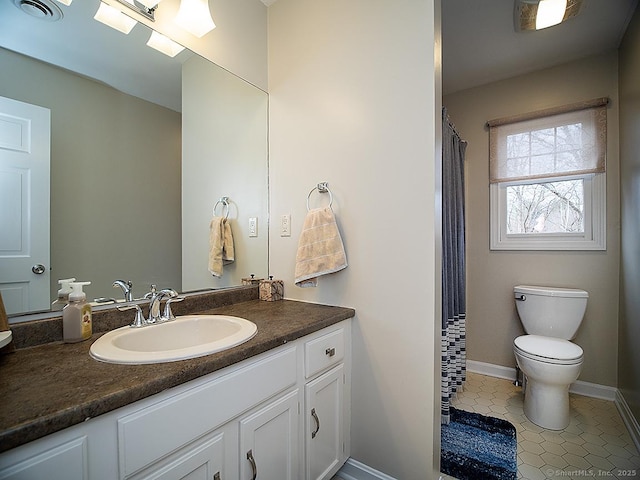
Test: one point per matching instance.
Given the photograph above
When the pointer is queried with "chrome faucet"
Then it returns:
(155, 297)
(127, 289)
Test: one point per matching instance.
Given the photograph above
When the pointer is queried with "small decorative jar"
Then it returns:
(271, 290)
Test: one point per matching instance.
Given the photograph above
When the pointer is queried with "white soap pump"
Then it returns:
(76, 316)
(63, 294)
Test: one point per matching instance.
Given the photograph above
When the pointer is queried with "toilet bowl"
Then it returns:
(549, 361)
(546, 389)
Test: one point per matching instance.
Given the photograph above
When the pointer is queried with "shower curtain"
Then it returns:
(453, 265)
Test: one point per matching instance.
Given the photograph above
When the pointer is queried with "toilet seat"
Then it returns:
(548, 349)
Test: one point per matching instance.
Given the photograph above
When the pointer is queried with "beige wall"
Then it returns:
(353, 101)
(492, 319)
(115, 178)
(629, 354)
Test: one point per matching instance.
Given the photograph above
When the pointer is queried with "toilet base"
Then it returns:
(547, 405)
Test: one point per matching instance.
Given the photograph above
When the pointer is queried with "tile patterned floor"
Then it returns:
(596, 443)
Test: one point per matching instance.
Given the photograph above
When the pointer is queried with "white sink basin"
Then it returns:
(187, 336)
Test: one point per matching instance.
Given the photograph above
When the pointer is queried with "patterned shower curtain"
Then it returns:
(453, 265)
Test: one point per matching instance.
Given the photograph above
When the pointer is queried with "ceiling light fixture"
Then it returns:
(164, 44)
(539, 14)
(114, 18)
(194, 16)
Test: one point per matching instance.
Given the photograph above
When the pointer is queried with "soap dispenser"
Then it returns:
(76, 316)
(63, 294)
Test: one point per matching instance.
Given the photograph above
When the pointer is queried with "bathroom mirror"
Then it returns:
(116, 200)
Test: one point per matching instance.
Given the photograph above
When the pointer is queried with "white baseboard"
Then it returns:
(594, 390)
(355, 470)
(491, 370)
(628, 418)
(579, 387)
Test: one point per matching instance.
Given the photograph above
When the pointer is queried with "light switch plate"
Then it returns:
(285, 225)
(253, 226)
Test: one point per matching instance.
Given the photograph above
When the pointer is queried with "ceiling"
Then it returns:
(480, 44)
(80, 44)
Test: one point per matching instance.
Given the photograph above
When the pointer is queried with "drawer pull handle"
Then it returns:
(254, 468)
(216, 476)
(315, 417)
(330, 351)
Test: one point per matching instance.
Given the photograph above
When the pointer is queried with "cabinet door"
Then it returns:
(269, 441)
(201, 461)
(324, 434)
(67, 461)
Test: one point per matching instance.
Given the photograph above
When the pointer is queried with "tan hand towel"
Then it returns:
(320, 248)
(228, 253)
(221, 250)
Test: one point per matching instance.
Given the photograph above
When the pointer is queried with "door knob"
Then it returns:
(38, 269)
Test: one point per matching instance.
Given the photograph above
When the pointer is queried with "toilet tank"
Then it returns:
(550, 311)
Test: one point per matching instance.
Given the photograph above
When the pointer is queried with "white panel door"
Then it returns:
(324, 427)
(269, 441)
(202, 461)
(67, 461)
(24, 206)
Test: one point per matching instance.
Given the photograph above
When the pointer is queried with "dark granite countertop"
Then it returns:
(53, 386)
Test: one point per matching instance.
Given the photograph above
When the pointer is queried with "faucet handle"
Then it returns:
(168, 314)
(139, 320)
(152, 293)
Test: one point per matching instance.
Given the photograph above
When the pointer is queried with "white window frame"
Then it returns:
(595, 232)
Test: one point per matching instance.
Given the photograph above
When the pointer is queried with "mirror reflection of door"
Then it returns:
(24, 206)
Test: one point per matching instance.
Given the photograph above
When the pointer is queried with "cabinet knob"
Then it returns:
(216, 476)
(330, 351)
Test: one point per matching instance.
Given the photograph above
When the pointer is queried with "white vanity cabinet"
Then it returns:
(327, 403)
(269, 441)
(68, 459)
(202, 460)
(257, 419)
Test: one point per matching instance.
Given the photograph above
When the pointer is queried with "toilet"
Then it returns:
(549, 362)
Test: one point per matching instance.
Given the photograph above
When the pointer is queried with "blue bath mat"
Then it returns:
(477, 447)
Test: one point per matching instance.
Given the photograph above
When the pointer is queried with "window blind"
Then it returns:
(567, 140)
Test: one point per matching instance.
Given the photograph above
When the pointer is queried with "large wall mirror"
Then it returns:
(142, 148)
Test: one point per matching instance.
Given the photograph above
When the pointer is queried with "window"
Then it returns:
(547, 173)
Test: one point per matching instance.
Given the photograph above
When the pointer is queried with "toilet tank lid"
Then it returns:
(549, 291)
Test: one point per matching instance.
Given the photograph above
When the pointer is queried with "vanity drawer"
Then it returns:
(156, 431)
(323, 352)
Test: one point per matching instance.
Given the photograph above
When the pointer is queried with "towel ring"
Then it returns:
(225, 203)
(322, 188)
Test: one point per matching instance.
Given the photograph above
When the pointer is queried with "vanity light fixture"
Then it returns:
(114, 18)
(151, 4)
(146, 8)
(194, 16)
(539, 14)
(164, 44)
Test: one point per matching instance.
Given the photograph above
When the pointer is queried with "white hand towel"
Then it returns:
(320, 248)
(221, 250)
